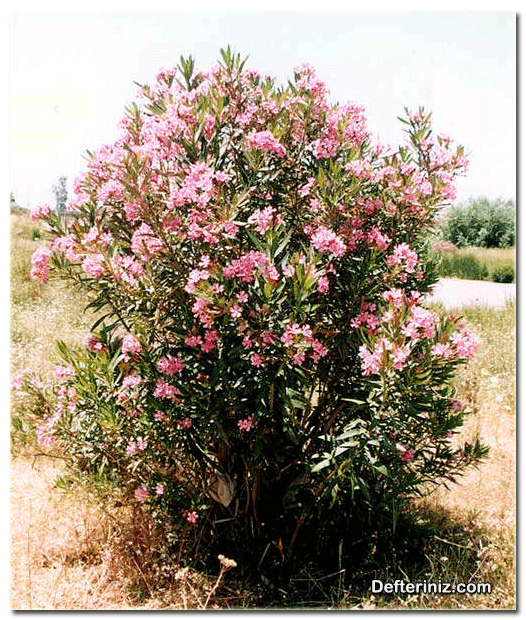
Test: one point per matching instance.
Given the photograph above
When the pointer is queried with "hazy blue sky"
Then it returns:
(72, 75)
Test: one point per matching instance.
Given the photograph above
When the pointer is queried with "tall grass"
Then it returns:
(493, 264)
(72, 550)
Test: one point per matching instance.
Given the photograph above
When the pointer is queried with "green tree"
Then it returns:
(481, 223)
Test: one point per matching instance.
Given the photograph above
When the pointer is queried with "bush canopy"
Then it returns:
(262, 366)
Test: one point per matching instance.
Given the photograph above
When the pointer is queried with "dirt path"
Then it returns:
(455, 293)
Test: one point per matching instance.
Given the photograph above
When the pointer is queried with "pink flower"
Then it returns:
(131, 448)
(394, 296)
(40, 264)
(271, 273)
(299, 358)
(323, 284)
(17, 380)
(325, 240)
(264, 218)
(267, 337)
(145, 243)
(325, 147)
(130, 344)
(230, 229)
(454, 405)
(265, 141)
(165, 390)
(141, 494)
(132, 210)
(441, 350)
(217, 289)
(196, 276)
(407, 455)
(192, 517)
(193, 341)
(111, 189)
(210, 341)
(40, 213)
(291, 331)
(208, 129)
(466, 343)
(93, 344)
(170, 365)
(256, 359)
(403, 254)
(400, 355)
(184, 424)
(245, 266)
(66, 244)
(288, 271)
(361, 168)
(246, 425)
(306, 189)
(372, 361)
(235, 311)
(45, 437)
(131, 381)
(371, 321)
(159, 489)
(92, 265)
(62, 372)
(422, 320)
(376, 238)
(319, 350)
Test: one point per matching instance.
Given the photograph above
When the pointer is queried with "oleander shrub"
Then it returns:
(262, 373)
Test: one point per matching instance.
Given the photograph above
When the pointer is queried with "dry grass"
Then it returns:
(40, 314)
(494, 256)
(71, 551)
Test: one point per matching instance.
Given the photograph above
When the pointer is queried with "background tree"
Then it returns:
(61, 194)
(481, 223)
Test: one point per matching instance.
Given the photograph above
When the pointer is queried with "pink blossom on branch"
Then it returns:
(246, 425)
(130, 344)
(142, 494)
(265, 141)
(170, 365)
(40, 264)
(92, 265)
(192, 517)
(40, 213)
(326, 240)
(466, 343)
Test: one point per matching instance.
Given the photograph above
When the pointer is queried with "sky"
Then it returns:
(72, 74)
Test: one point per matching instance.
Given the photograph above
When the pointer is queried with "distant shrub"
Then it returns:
(481, 223)
(462, 266)
(504, 274)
